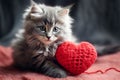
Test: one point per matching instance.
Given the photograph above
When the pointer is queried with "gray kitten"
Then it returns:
(45, 27)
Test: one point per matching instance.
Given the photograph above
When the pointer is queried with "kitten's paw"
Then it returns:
(58, 74)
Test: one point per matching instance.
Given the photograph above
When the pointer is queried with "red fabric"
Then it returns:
(103, 63)
(76, 58)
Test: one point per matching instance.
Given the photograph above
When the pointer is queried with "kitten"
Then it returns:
(45, 27)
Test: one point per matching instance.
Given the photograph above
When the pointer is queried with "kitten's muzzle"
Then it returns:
(48, 37)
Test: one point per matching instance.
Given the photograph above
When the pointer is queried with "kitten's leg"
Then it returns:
(48, 67)
(21, 60)
(52, 70)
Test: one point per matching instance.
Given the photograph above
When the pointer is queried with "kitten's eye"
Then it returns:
(56, 29)
(42, 28)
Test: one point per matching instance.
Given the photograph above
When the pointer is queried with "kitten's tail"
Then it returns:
(107, 49)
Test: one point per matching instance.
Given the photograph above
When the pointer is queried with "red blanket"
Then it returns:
(105, 68)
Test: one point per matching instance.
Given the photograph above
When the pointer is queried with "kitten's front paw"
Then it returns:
(58, 74)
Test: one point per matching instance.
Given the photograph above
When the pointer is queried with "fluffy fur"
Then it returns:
(45, 27)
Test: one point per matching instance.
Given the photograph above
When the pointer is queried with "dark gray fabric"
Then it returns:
(10, 19)
(96, 21)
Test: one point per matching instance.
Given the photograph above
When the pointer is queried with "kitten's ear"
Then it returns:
(32, 2)
(36, 11)
(69, 6)
(63, 12)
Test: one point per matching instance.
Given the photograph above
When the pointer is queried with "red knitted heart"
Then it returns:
(76, 58)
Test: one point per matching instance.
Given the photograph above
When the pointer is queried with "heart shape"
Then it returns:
(76, 58)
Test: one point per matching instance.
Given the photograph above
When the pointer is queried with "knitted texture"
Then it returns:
(76, 58)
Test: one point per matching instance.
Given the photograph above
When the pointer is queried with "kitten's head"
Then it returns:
(47, 24)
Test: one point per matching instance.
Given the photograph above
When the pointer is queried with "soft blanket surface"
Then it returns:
(105, 68)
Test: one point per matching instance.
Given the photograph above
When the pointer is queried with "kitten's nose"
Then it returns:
(48, 37)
